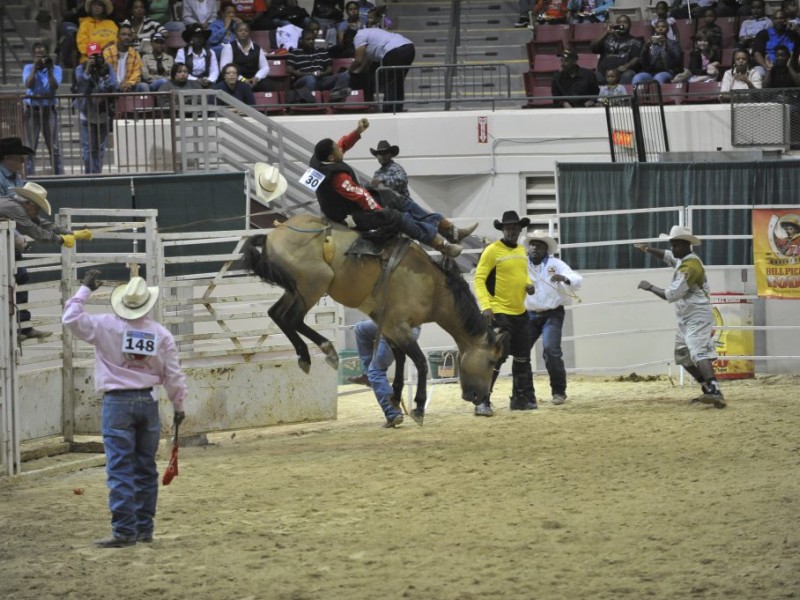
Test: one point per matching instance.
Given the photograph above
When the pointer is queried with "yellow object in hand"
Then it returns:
(68, 240)
(83, 234)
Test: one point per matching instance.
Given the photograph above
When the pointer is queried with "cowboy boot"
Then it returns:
(454, 234)
(445, 247)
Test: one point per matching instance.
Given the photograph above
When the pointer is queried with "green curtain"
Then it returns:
(603, 186)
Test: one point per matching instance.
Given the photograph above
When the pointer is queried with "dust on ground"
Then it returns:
(626, 491)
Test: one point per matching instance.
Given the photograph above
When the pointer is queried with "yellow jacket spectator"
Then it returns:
(125, 61)
(97, 27)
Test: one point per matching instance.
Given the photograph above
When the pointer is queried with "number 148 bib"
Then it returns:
(139, 342)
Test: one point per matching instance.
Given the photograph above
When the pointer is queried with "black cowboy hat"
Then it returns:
(13, 145)
(510, 217)
(384, 146)
(192, 29)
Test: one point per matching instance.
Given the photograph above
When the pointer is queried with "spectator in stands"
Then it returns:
(682, 11)
(143, 26)
(612, 87)
(230, 84)
(178, 81)
(310, 68)
(346, 32)
(709, 26)
(41, 79)
(741, 76)
(364, 8)
(72, 12)
(94, 77)
(733, 8)
(704, 60)
(125, 61)
(661, 58)
(619, 50)
(752, 26)
(790, 9)
(286, 12)
(662, 14)
(249, 59)
(97, 28)
(202, 62)
(385, 49)
(328, 12)
(162, 11)
(551, 11)
(199, 12)
(589, 11)
(768, 39)
(12, 156)
(573, 80)
(254, 13)
(156, 64)
(783, 73)
(223, 28)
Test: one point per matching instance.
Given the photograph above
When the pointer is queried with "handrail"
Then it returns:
(451, 57)
(4, 42)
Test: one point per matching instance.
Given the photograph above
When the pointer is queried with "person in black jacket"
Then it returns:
(573, 80)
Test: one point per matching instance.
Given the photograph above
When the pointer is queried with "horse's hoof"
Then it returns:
(304, 365)
(418, 416)
(331, 357)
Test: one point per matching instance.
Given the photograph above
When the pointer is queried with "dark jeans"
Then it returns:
(548, 325)
(394, 221)
(392, 81)
(44, 119)
(21, 277)
(517, 344)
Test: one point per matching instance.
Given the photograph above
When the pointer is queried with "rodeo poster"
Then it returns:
(776, 252)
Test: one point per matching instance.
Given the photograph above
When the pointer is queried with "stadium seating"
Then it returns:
(703, 92)
(136, 107)
(354, 103)
(269, 103)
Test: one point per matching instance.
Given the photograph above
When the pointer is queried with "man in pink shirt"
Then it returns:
(133, 354)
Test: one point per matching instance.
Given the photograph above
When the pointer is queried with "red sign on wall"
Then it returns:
(483, 130)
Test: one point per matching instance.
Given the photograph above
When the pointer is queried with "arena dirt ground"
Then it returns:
(625, 492)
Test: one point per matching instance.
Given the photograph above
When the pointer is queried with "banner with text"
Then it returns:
(776, 252)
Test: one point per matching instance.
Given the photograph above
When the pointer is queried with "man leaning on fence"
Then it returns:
(41, 79)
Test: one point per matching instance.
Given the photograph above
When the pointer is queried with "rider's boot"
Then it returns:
(445, 247)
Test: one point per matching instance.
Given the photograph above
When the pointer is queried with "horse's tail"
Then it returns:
(255, 259)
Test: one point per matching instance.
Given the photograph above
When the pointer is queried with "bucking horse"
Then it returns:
(308, 257)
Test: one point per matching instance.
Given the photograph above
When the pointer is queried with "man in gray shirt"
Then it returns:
(382, 48)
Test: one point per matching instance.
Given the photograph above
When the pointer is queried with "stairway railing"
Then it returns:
(451, 58)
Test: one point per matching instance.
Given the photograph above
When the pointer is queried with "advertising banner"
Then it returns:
(730, 310)
(776, 252)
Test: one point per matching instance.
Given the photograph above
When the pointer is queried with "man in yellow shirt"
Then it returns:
(501, 282)
(125, 61)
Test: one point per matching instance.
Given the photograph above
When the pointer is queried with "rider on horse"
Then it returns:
(343, 200)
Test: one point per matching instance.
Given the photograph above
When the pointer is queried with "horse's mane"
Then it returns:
(465, 303)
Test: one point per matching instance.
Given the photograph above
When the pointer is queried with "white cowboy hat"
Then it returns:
(133, 299)
(35, 193)
(270, 184)
(539, 235)
(680, 233)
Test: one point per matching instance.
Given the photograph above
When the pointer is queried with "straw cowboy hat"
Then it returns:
(35, 193)
(510, 217)
(539, 235)
(384, 146)
(106, 3)
(192, 29)
(790, 220)
(13, 145)
(133, 299)
(680, 233)
(270, 184)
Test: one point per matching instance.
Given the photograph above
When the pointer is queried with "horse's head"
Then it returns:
(477, 365)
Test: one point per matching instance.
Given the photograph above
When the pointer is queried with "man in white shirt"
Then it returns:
(383, 48)
(555, 283)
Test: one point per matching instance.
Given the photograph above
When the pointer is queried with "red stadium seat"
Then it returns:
(269, 103)
(550, 39)
(538, 96)
(340, 64)
(309, 108)
(703, 92)
(584, 33)
(673, 93)
(353, 103)
(262, 39)
(544, 67)
(135, 106)
(686, 29)
(588, 61)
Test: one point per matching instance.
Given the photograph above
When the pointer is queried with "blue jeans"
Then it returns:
(420, 215)
(43, 119)
(547, 325)
(662, 77)
(376, 367)
(94, 141)
(329, 82)
(131, 429)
